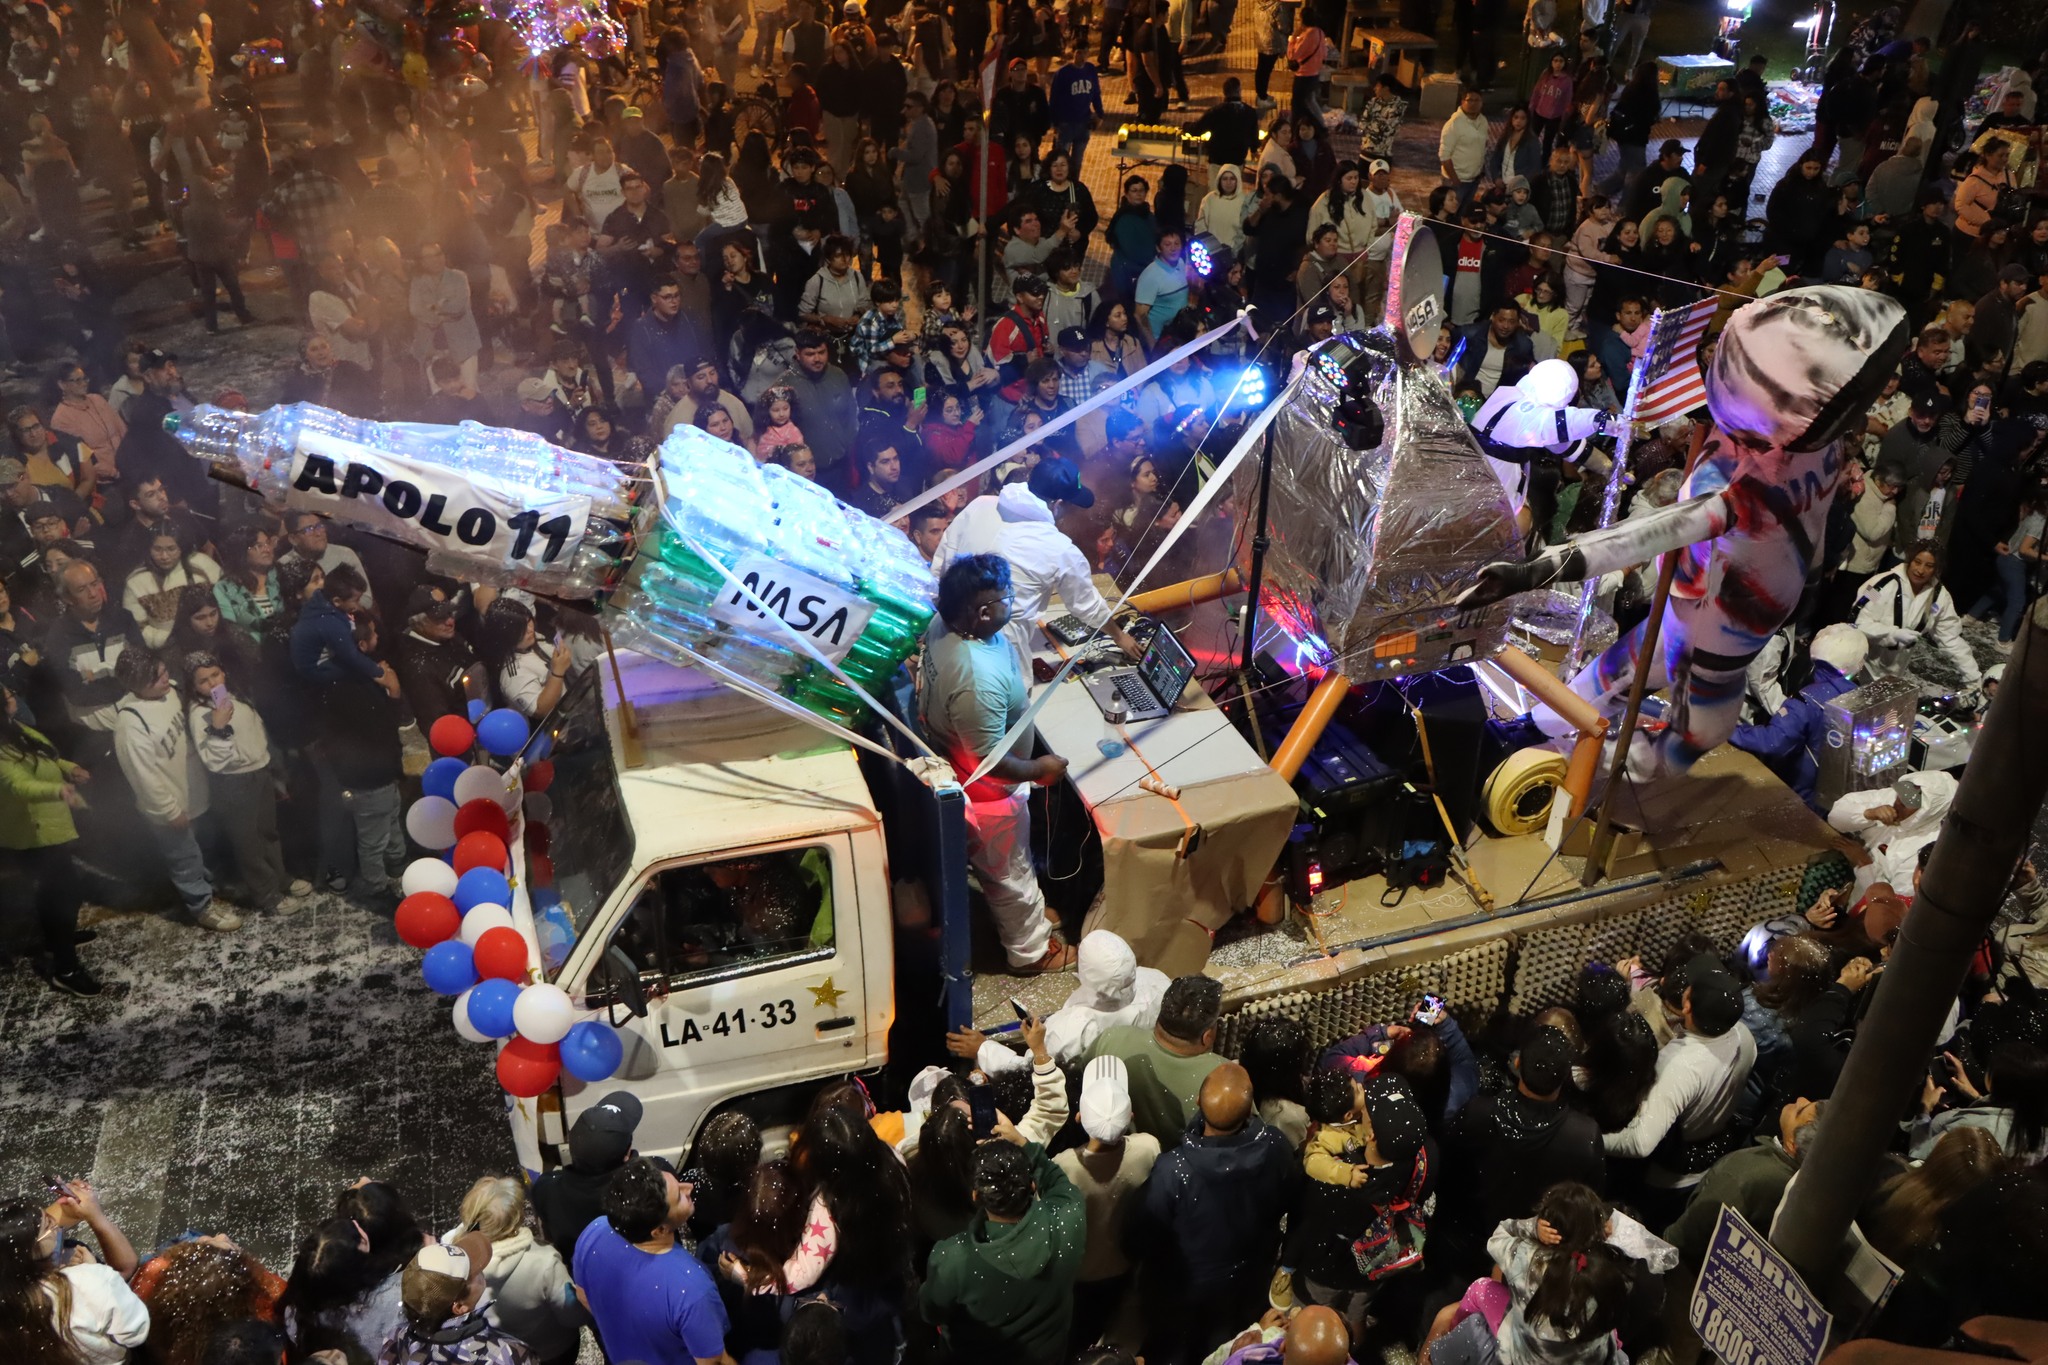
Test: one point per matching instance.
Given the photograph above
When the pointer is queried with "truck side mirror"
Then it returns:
(625, 975)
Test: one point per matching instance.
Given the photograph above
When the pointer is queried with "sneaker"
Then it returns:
(2002, 646)
(1280, 1293)
(1130, 99)
(299, 887)
(1268, 102)
(1180, 105)
(337, 884)
(218, 918)
(78, 981)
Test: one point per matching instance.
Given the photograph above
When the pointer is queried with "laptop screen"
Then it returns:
(1166, 667)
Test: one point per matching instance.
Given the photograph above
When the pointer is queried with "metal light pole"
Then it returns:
(1967, 875)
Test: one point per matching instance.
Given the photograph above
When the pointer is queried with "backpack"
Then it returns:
(1393, 1241)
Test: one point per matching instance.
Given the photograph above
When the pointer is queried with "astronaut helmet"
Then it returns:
(1552, 383)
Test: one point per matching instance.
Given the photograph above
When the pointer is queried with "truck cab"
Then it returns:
(725, 900)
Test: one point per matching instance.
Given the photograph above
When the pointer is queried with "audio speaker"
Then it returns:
(1455, 715)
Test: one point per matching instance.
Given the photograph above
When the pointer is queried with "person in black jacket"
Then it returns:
(1505, 1150)
(1646, 190)
(1401, 1172)
(1636, 110)
(1232, 126)
(436, 667)
(1208, 1225)
(1800, 213)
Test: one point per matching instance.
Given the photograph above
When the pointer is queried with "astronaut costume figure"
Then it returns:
(1792, 375)
(1518, 421)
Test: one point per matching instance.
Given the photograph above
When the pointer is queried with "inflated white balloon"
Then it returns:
(481, 782)
(544, 1013)
(431, 822)
(539, 807)
(483, 918)
(428, 874)
(460, 1012)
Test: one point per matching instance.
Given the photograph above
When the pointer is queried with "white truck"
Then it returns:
(726, 896)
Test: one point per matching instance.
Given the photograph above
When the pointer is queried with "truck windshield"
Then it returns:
(589, 839)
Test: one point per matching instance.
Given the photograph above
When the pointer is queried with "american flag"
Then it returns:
(1667, 380)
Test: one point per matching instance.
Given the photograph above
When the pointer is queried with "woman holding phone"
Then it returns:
(229, 737)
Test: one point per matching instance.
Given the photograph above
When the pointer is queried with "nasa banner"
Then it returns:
(830, 618)
(435, 508)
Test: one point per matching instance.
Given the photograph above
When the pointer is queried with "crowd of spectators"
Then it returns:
(792, 266)
(1117, 1189)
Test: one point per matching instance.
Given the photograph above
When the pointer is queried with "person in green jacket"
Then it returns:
(1751, 1180)
(38, 791)
(1003, 1290)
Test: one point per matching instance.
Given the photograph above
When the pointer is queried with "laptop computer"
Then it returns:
(1151, 688)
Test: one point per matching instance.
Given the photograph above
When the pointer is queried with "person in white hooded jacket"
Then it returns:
(531, 1296)
(1897, 607)
(1894, 823)
(1224, 209)
(169, 781)
(228, 736)
(1113, 990)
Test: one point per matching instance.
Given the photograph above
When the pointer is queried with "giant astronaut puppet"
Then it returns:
(1793, 373)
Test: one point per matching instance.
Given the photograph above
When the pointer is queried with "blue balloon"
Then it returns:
(449, 968)
(439, 778)
(476, 709)
(543, 745)
(490, 1007)
(482, 886)
(590, 1051)
(502, 732)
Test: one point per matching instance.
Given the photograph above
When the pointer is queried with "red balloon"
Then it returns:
(541, 869)
(426, 918)
(452, 736)
(537, 839)
(538, 775)
(482, 816)
(526, 1068)
(501, 952)
(479, 850)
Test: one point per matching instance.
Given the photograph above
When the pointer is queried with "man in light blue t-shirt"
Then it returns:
(653, 1302)
(1162, 287)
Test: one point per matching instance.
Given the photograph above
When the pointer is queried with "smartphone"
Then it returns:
(917, 397)
(1981, 404)
(981, 1102)
(1023, 1013)
(1431, 1010)
(219, 695)
(56, 1184)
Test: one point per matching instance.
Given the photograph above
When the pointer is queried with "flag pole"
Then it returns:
(1649, 367)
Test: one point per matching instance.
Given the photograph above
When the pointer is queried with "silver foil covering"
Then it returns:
(1370, 548)
(1547, 616)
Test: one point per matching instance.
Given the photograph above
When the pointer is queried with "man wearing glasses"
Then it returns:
(664, 336)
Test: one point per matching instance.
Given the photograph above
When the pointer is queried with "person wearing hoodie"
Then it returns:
(1004, 1288)
(1223, 209)
(1894, 823)
(169, 782)
(1789, 743)
(1018, 523)
(569, 1198)
(1113, 991)
(1512, 1147)
(531, 1296)
(1208, 1223)
(1895, 182)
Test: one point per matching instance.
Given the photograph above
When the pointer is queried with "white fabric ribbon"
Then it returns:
(1193, 515)
(1063, 421)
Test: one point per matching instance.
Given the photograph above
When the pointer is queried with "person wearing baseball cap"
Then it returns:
(443, 1293)
(1700, 1075)
(435, 665)
(569, 1197)
(1078, 372)
(1517, 1144)
(541, 413)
